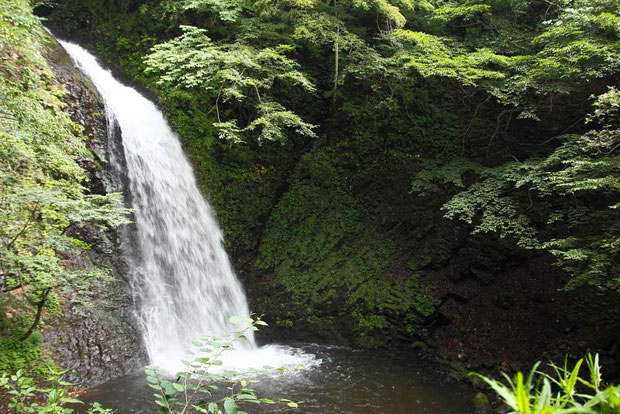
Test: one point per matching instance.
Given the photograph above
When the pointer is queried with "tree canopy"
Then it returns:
(543, 182)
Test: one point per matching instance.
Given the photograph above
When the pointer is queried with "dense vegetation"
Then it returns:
(354, 149)
(532, 191)
(43, 195)
(360, 154)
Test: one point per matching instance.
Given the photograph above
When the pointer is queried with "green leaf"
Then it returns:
(234, 320)
(230, 406)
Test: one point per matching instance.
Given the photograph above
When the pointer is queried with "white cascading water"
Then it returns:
(185, 285)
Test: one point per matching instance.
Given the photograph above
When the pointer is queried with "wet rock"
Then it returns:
(505, 300)
(486, 277)
(449, 308)
(482, 403)
(96, 335)
(458, 267)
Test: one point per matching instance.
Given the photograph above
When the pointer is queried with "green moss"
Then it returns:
(481, 402)
(15, 354)
(44, 190)
(322, 251)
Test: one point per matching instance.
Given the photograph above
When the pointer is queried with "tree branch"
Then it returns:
(37, 318)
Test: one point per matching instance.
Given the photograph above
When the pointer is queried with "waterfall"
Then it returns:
(183, 282)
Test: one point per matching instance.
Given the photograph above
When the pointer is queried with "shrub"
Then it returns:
(25, 395)
(564, 391)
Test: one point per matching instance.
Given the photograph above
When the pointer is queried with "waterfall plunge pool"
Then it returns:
(337, 380)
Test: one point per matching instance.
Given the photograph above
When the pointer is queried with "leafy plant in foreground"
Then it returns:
(26, 396)
(192, 391)
(564, 391)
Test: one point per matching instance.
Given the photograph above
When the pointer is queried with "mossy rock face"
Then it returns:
(96, 334)
(86, 319)
(320, 250)
(16, 354)
(482, 404)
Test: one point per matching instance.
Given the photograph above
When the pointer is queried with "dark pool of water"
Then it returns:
(346, 382)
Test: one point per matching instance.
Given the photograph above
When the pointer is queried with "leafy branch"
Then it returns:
(192, 391)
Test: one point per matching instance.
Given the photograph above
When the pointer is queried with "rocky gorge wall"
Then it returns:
(96, 337)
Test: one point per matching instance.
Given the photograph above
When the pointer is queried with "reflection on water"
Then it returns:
(346, 382)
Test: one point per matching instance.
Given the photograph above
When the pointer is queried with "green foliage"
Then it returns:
(542, 393)
(607, 108)
(574, 42)
(579, 44)
(433, 56)
(228, 11)
(434, 121)
(462, 13)
(16, 355)
(233, 74)
(25, 395)
(193, 390)
(43, 197)
(583, 236)
(499, 214)
(322, 252)
(436, 174)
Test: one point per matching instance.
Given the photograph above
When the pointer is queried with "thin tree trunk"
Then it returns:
(37, 318)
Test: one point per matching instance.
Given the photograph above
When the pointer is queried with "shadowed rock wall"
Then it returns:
(97, 337)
